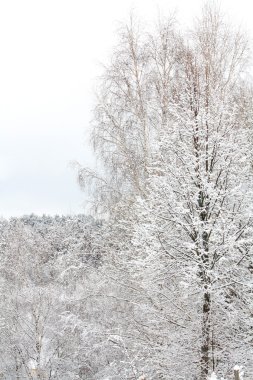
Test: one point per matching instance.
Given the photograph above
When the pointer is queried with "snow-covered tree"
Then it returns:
(173, 130)
(48, 272)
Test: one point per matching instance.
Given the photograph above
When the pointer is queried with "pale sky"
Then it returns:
(50, 55)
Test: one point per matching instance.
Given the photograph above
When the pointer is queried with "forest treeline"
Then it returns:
(49, 266)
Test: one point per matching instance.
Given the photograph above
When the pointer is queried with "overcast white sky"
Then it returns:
(49, 58)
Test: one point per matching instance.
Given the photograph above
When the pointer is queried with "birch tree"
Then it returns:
(172, 128)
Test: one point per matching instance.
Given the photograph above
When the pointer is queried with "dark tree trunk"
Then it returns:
(206, 341)
(205, 344)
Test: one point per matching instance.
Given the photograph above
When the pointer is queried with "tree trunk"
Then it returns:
(237, 374)
(205, 345)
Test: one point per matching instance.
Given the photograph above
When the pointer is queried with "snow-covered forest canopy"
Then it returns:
(157, 285)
